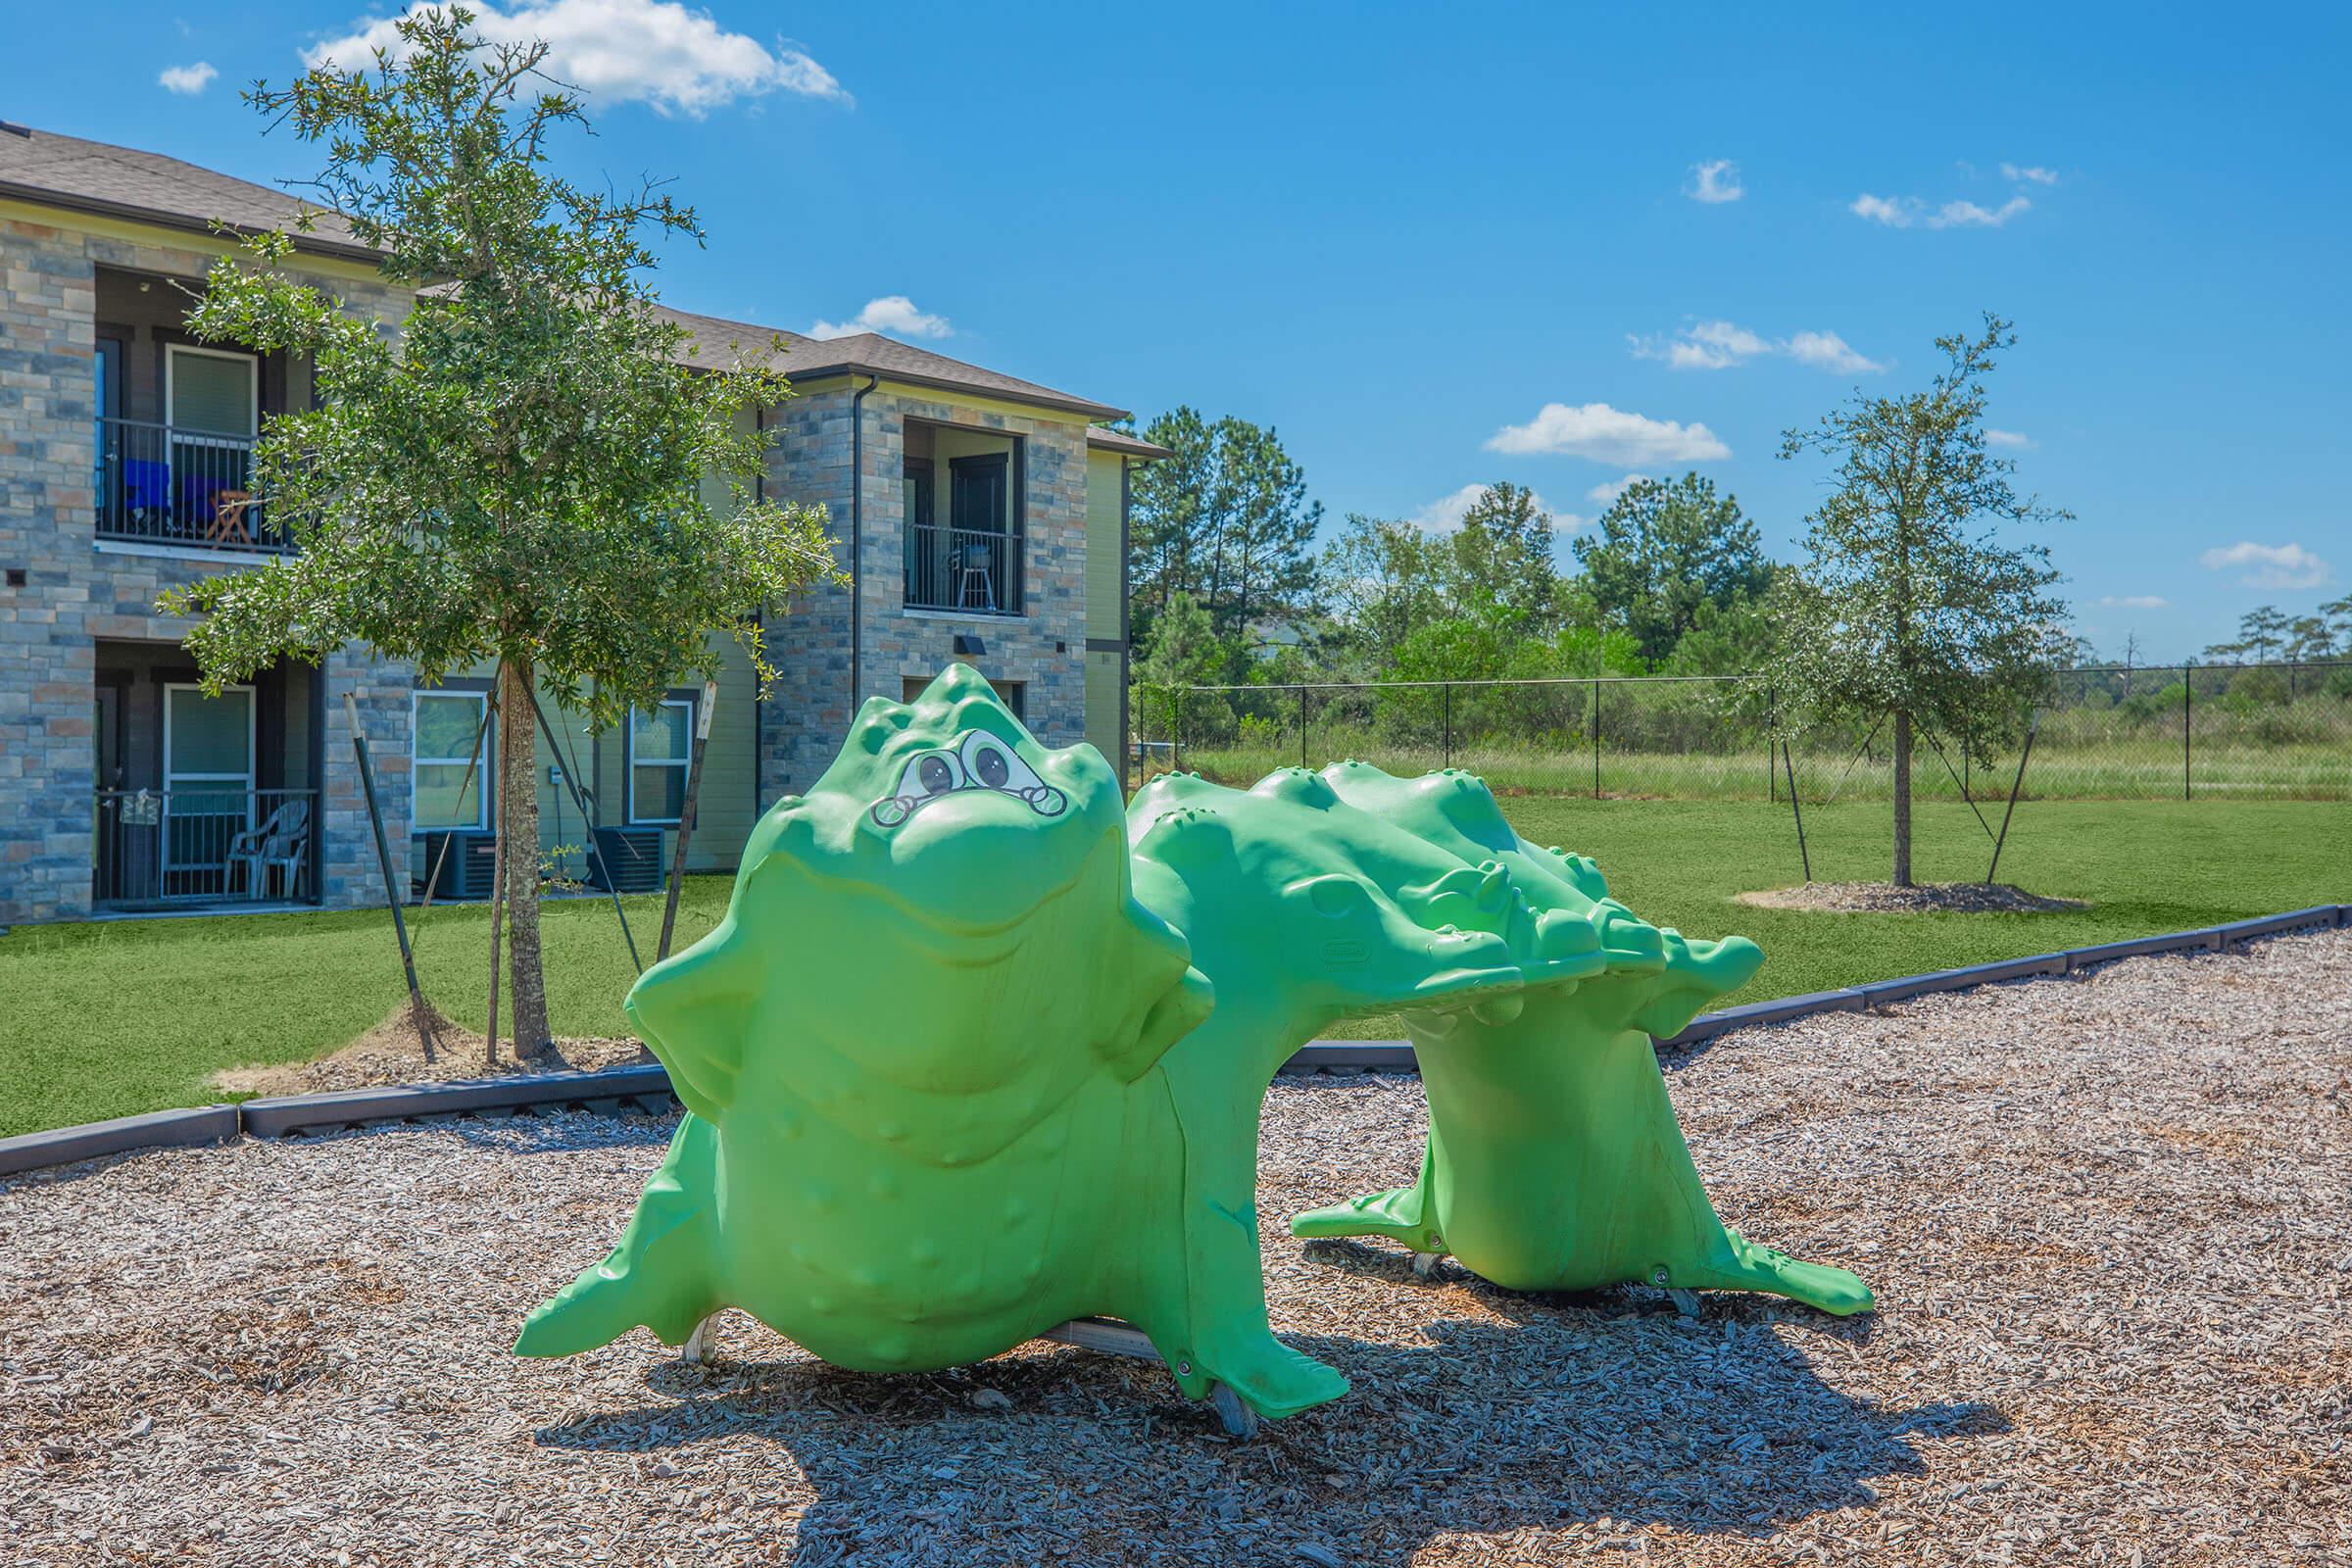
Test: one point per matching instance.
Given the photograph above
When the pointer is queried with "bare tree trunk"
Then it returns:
(518, 817)
(498, 893)
(1902, 799)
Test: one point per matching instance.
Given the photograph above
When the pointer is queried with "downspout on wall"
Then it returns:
(858, 542)
(758, 625)
(1126, 641)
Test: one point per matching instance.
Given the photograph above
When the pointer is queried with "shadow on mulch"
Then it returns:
(1582, 1408)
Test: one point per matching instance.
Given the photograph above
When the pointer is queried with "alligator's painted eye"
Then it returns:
(990, 761)
(932, 773)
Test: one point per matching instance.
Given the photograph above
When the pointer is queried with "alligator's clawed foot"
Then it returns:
(1271, 1378)
(1743, 1265)
(1395, 1214)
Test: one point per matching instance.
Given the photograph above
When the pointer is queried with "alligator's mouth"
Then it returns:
(940, 923)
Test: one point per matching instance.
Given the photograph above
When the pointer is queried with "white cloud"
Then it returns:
(1609, 435)
(2287, 565)
(1720, 345)
(1445, 515)
(1880, 210)
(2031, 171)
(1609, 490)
(1827, 351)
(2015, 440)
(1967, 214)
(1715, 180)
(656, 52)
(1902, 211)
(2135, 602)
(187, 80)
(893, 314)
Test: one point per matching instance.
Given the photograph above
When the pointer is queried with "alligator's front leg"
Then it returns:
(664, 1274)
(1219, 1333)
(1556, 1162)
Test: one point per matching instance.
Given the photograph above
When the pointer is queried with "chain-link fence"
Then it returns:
(2266, 731)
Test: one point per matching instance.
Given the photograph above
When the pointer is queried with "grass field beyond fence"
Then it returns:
(2274, 732)
(113, 1017)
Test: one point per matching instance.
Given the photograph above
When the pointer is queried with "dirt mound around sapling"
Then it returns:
(393, 1052)
(1884, 897)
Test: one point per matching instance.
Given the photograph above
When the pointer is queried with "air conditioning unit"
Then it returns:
(627, 860)
(465, 861)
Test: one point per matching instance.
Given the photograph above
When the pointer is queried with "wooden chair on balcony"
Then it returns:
(230, 524)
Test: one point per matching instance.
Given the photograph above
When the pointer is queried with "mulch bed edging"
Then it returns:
(646, 1088)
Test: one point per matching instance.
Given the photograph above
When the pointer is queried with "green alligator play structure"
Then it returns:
(977, 1056)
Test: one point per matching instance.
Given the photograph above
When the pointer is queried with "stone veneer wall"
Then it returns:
(76, 594)
(809, 709)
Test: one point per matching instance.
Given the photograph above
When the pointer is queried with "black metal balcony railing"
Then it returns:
(963, 568)
(166, 485)
(204, 844)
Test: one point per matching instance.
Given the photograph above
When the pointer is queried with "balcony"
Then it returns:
(974, 571)
(166, 485)
(203, 844)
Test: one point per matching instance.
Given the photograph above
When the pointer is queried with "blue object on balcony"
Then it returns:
(145, 482)
(197, 492)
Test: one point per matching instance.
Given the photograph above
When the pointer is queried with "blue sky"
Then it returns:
(1439, 246)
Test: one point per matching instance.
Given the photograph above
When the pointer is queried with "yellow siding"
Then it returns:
(1102, 705)
(726, 803)
(1103, 545)
(1105, 548)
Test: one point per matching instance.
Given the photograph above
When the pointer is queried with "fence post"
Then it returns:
(1302, 726)
(1176, 733)
(1448, 688)
(1772, 721)
(1596, 737)
(2189, 702)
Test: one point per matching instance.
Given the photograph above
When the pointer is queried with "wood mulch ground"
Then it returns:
(2105, 1216)
(395, 1052)
(1884, 897)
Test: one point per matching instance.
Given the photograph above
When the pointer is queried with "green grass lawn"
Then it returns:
(121, 1016)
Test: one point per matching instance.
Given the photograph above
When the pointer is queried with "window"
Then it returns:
(1012, 691)
(661, 744)
(212, 392)
(207, 748)
(453, 760)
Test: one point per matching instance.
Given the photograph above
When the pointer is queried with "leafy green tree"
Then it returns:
(2261, 632)
(1665, 547)
(1383, 579)
(2310, 637)
(1501, 561)
(518, 477)
(1167, 508)
(1224, 518)
(1910, 604)
(1183, 651)
(1734, 639)
(2337, 616)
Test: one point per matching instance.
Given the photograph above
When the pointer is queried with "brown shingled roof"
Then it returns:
(804, 359)
(94, 176)
(1126, 443)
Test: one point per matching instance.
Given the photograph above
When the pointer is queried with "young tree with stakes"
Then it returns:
(1910, 605)
(516, 476)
